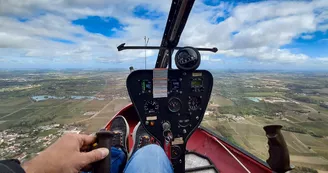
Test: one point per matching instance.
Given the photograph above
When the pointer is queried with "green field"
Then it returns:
(233, 116)
(263, 94)
(320, 128)
(221, 101)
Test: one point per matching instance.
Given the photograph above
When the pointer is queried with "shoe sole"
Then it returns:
(126, 133)
(134, 134)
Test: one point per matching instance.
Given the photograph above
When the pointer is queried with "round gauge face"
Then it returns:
(187, 58)
(175, 151)
(184, 122)
(194, 103)
(151, 107)
(174, 104)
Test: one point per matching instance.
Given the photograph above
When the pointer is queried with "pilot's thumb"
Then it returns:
(95, 155)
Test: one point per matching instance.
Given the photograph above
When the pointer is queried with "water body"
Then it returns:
(254, 99)
(47, 97)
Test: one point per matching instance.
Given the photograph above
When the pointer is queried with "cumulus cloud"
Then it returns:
(256, 31)
(259, 30)
(307, 37)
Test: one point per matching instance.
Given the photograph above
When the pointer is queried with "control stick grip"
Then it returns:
(278, 151)
(104, 140)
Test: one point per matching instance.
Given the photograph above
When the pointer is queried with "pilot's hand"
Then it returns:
(65, 155)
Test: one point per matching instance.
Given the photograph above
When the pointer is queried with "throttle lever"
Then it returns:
(104, 140)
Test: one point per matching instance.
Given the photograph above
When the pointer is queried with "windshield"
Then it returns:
(61, 72)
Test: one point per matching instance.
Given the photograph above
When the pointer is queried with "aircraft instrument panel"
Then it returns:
(175, 97)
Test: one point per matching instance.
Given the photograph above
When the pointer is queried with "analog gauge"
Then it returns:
(174, 104)
(194, 103)
(151, 107)
(175, 151)
(184, 122)
(187, 58)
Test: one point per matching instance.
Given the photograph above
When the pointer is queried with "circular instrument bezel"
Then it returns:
(196, 99)
(174, 110)
(190, 51)
(146, 107)
(175, 148)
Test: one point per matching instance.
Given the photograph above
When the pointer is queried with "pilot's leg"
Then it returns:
(118, 160)
(149, 159)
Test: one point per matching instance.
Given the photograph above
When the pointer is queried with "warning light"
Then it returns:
(152, 123)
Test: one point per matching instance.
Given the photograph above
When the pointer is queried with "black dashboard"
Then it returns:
(176, 98)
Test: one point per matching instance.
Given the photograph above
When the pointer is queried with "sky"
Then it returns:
(58, 34)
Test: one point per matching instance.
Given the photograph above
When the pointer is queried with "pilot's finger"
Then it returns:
(86, 140)
(94, 155)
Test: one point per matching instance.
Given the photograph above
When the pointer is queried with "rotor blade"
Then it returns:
(123, 47)
(178, 16)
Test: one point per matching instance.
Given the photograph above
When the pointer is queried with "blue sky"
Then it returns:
(249, 34)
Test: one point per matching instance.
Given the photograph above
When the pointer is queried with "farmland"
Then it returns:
(241, 104)
(259, 99)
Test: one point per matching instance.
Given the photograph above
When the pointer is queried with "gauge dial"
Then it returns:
(175, 151)
(174, 104)
(184, 122)
(194, 103)
(187, 58)
(151, 107)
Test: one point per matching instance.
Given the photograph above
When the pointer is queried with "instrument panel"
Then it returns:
(179, 98)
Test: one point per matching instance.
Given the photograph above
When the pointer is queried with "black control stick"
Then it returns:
(104, 140)
(278, 151)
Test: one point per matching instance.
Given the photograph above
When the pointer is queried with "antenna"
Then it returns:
(146, 43)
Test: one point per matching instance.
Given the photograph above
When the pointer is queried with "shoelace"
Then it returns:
(144, 140)
(117, 139)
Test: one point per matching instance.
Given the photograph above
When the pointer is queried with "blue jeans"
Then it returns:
(148, 159)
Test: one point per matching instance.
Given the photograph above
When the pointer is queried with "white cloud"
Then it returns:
(210, 58)
(325, 60)
(256, 31)
(307, 37)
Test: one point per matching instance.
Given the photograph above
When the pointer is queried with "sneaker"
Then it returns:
(120, 128)
(140, 138)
